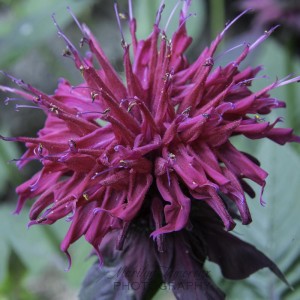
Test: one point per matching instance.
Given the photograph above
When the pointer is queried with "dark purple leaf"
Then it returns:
(183, 272)
(101, 283)
(236, 258)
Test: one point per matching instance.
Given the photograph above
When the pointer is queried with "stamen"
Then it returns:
(72, 146)
(130, 9)
(123, 43)
(26, 106)
(259, 119)
(67, 52)
(169, 177)
(295, 79)
(123, 164)
(209, 62)
(159, 12)
(99, 209)
(131, 105)
(63, 158)
(85, 196)
(54, 109)
(164, 37)
(34, 186)
(37, 100)
(263, 37)
(61, 34)
(71, 216)
(186, 18)
(105, 112)
(82, 41)
(123, 16)
(168, 76)
(97, 174)
(172, 156)
(284, 78)
(17, 160)
(8, 99)
(71, 47)
(94, 95)
(76, 21)
(171, 16)
(128, 100)
(230, 50)
(145, 112)
(185, 6)
(19, 82)
(81, 69)
(38, 151)
(170, 161)
(8, 139)
(233, 21)
(247, 82)
(187, 111)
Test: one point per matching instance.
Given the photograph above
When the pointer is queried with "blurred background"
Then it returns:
(31, 264)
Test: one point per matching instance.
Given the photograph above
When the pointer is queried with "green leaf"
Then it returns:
(274, 229)
(12, 286)
(8, 173)
(32, 246)
(38, 250)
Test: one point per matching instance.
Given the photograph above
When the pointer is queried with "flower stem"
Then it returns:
(291, 89)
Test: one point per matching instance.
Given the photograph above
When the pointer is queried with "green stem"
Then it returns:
(291, 89)
(217, 17)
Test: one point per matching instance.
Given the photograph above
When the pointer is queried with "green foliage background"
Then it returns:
(31, 265)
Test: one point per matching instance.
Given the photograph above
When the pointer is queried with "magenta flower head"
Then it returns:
(270, 12)
(143, 167)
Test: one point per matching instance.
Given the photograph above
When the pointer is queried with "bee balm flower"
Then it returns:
(152, 155)
(268, 12)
